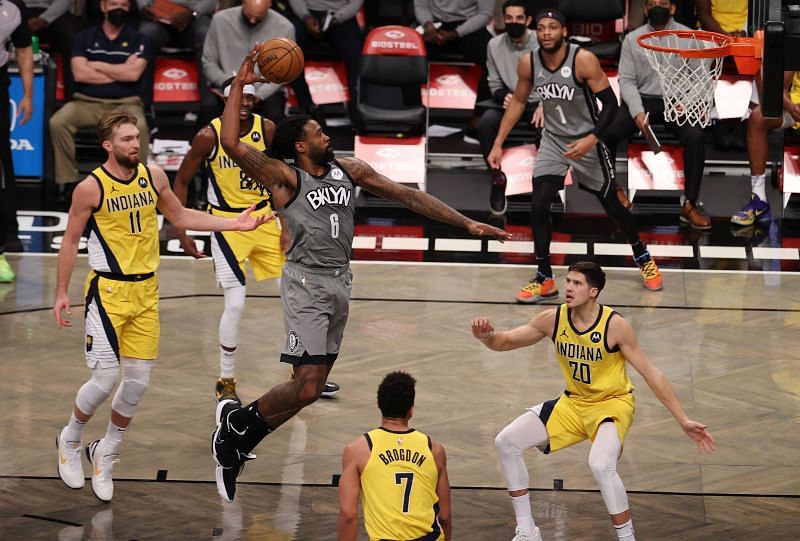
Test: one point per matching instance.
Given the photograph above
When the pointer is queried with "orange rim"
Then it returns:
(722, 42)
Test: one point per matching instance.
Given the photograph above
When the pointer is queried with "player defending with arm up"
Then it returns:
(316, 200)
(592, 344)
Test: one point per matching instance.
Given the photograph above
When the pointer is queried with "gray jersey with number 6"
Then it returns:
(320, 218)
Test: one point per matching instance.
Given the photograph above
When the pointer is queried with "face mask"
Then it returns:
(117, 17)
(658, 16)
(515, 30)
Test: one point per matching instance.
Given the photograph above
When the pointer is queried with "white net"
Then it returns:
(687, 84)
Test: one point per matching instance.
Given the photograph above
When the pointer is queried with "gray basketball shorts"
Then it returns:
(594, 171)
(316, 304)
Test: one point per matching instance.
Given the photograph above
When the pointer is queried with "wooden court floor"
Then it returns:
(727, 342)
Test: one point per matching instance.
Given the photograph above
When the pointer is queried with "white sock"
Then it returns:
(227, 362)
(758, 185)
(113, 439)
(74, 429)
(522, 510)
(625, 531)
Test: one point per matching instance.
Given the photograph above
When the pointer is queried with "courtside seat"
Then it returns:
(394, 67)
(597, 25)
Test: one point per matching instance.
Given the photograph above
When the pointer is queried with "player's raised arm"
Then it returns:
(541, 326)
(270, 172)
(365, 176)
(622, 334)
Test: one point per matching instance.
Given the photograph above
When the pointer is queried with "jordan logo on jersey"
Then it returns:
(555, 91)
(329, 195)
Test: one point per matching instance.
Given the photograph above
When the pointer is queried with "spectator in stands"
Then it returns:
(232, 35)
(757, 208)
(458, 26)
(13, 28)
(333, 21)
(108, 61)
(728, 17)
(51, 22)
(502, 57)
(642, 104)
(184, 24)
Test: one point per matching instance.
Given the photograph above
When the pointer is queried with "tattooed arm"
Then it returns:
(365, 176)
(273, 174)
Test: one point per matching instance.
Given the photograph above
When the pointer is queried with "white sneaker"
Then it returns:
(525, 535)
(70, 469)
(103, 466)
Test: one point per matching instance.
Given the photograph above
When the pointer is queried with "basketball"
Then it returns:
(280, 60)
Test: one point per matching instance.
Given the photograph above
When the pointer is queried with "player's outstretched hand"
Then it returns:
(247, 74)
(481, 229)
(189, 247)
(62, 304)
(701, 436)
(247, 222)
(481, 328)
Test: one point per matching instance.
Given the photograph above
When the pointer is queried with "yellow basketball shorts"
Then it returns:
(261, 247)
(121, 320)
(570, 421)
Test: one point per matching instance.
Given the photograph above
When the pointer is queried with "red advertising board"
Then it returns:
(175, 80)
(402, 160)
(518, 164)
(648, 171)
(451, 87)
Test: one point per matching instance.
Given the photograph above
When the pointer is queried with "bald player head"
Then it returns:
(255, 11)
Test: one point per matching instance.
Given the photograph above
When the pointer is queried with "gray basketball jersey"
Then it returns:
(570, 108)
(320, 219)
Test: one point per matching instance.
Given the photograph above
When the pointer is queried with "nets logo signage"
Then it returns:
(27, 140)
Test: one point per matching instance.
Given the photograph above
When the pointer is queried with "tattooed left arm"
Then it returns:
(420, 202)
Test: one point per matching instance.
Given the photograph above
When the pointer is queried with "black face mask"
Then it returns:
(117, 17)
(658, 15)
(515, 30)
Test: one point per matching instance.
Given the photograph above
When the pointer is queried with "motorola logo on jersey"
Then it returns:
(388, 153)
(595, 337)
(329, 195)
(555, 91)
(142, 182)
(175, 73)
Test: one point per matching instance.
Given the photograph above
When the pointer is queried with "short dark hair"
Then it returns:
(516, 4)
(594, 274)
(111, 120)
(289, 131)
(396, 395)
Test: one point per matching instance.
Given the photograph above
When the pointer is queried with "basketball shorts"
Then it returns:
(316, 304)
(121, 320)
(594, 171)
(570, 421)
(261, 247)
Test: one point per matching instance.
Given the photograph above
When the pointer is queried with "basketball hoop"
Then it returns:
(688, 64)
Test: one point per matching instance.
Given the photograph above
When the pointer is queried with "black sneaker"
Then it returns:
(330, 390)
(225, 437)
(226, 478)
(497, 197)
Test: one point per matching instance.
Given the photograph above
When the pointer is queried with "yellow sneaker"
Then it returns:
(225, 389)
(651, 275)
(6, 272)
(538, 289)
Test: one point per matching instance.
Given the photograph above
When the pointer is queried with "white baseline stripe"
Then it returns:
(457, 245)
(578, 248)
(404, 243)
(723, 252)
(775, 253)
(607, 248)
(207, 260)
(364, 243)
(656, 250)
(511, 246)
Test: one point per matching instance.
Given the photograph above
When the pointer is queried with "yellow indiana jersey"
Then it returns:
(592, 371)
(730, 14)
(398, 486)
(229, 188)
(123, 229)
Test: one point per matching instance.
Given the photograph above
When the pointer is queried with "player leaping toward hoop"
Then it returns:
(315, 199)
(568, 80)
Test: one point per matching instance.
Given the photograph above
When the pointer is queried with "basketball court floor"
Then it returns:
(726, 340)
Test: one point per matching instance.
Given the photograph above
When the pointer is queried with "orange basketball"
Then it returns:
(280, 60)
